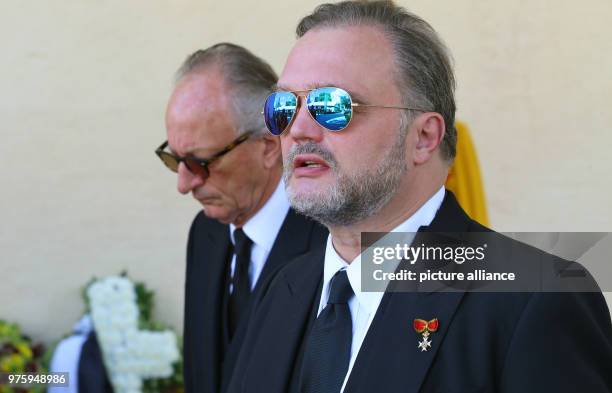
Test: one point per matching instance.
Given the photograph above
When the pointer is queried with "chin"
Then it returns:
(218, 214)
(308, 188)
(307, 195)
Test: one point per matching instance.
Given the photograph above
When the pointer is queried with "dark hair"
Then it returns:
(424, 70)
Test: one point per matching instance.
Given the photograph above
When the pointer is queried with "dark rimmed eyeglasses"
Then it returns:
(331, 107)
(197, 166)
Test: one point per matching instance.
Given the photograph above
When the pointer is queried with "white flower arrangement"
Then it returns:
(130, 355)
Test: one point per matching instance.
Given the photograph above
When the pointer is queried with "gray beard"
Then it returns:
(355, 196)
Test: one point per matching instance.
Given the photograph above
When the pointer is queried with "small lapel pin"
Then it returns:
(424, 327)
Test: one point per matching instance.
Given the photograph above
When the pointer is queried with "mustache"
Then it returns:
(309, 148)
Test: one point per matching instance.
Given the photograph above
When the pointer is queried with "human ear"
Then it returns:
(430, 130)
(272, 150)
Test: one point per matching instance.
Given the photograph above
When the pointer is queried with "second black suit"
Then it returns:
(209, 356)
(486, 342)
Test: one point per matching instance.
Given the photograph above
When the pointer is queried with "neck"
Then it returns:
(347, 239)
(268, 189)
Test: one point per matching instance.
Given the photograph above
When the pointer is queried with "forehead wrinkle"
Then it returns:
(195, 96)
(187, 155)
(194, 151)
(198, 111)
(205, 87)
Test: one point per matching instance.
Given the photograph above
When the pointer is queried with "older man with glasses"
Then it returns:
(219, 148)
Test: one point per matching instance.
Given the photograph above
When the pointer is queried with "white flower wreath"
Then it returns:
(130, 355)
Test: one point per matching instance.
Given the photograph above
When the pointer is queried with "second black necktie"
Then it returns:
(328, 349)
(241, 285)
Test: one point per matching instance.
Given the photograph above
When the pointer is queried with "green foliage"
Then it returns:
(144, 299)
(18, 355)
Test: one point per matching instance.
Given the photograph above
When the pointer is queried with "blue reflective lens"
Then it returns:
(330, 107)
(279, 110)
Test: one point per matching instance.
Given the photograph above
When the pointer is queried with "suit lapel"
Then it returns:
(283, 320)
(294, 238)
(292, 241)
(449, 218)
(221, 249)
(209, 335)
(390, 349)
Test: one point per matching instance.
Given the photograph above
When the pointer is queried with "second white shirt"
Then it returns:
(363, 305)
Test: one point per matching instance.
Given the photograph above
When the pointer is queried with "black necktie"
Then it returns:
(328, 349)
(241, 285)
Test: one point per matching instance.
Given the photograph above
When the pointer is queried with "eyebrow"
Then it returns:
(357, 97)
(308, 86)
(188, 155)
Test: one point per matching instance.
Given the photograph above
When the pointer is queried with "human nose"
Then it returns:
(187, 180)
(304, 127)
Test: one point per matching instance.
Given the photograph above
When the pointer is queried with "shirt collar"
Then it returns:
(263, 227)
(333, 262)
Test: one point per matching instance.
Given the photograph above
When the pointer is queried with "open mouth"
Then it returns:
(309, 161)
(309, 165)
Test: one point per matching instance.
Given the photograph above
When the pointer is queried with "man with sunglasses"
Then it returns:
(365, 110)
(223, 155)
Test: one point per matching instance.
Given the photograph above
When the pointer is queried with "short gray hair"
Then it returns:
(425, 74)
(249, 78)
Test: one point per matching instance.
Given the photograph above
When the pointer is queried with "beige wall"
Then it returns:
(83, 87)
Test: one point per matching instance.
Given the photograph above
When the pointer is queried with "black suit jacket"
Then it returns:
(486, 342)
(209, 357)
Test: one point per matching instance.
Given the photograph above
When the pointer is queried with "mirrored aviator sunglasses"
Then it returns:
(330, 107)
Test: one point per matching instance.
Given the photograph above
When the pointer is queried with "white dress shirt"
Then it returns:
(263, 229)
(363, 305)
